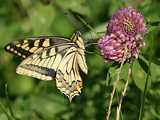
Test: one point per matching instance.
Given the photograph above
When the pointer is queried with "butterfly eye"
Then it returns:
(78, 33)
(75, 36)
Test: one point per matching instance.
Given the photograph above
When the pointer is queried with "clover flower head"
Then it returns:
(128, 21)
(124, 37)
(113, 46)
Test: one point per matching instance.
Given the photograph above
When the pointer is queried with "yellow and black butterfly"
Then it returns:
(49, 58)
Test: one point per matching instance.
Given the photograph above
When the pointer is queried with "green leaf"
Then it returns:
(3, 117)
(155, 70)
(154, 23)
(40, 19)
(98, 68)
(143, 63)
(74, 5)
(139, 76)
(123, 76)
(22, 85)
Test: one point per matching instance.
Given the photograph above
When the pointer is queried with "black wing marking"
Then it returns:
(26, 47)
(43, 65)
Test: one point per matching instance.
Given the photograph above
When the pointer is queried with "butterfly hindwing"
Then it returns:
(69, 82)
(68, 77)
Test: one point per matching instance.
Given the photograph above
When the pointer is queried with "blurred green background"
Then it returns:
(26, 98)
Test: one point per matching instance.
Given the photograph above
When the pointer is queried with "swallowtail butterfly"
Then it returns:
(53, 58)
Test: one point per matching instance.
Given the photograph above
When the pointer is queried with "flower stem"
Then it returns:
(8, 103)
(123, 94)
(116, 83)
(144, 94)
(113, 91)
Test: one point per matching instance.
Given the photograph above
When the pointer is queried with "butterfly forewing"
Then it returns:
(26, 47)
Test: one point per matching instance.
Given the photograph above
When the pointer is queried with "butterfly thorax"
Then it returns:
(76, 38)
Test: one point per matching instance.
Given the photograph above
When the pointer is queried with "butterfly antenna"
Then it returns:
(87, 25)
(74, 17)
(94, 47)
(89, 44)
(93, 52)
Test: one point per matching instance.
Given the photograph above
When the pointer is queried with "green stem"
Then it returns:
(141, 112)
(5, 112)
(8, 103)
(144, 94)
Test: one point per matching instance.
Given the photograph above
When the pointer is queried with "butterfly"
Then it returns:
(53, 58)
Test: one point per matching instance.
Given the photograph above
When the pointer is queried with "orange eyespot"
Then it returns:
(78, 88)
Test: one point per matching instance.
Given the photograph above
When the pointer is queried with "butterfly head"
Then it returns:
(76, 38)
